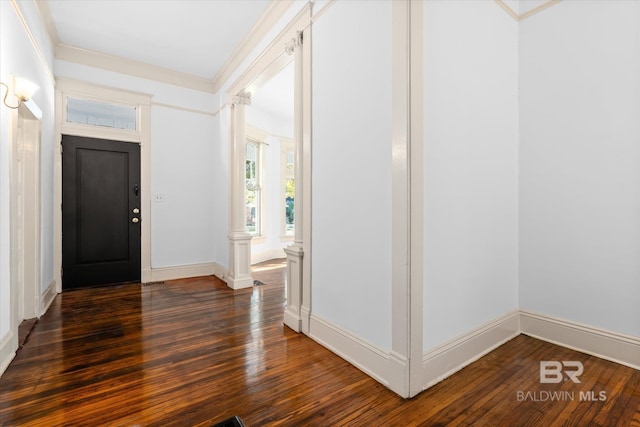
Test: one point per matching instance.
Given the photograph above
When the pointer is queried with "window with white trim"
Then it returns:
(96, 113)
(288, 188)
(253, 187)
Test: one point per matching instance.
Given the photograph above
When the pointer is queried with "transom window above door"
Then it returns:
(96, 113)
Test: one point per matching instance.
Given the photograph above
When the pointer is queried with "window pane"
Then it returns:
(86, 112)
(289, 206)
(252, 193)
(251, 210)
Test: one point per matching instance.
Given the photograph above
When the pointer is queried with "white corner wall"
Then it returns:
(470, 167)
(351, 169)
(21, 57)
(579, 164)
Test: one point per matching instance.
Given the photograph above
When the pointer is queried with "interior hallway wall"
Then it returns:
(351, 172)
(470, 167)
(579, 164)
(184, 166)
(19, 56)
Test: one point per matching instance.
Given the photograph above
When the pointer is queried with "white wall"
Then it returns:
(181, 156)
(185, 167)
(470, 167)
(351, 219)
(220, 187)
(579, 164)
(18, 56)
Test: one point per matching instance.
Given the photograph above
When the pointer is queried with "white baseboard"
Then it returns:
(47, 297)
(220, 272)
(448, 358)
(292, 320)
(182, 272)
(267, 255)
(363, 355)
(8, 347)
(619, 348)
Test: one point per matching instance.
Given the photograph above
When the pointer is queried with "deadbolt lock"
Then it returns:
(136, 210)
(135, 220)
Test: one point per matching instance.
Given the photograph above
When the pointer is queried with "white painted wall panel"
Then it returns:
(219, 164)
(580, 164)
(182, 225)
(19, 57)
(470, 167)
(351, 219)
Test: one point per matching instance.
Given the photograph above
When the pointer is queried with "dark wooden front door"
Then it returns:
(100, 212)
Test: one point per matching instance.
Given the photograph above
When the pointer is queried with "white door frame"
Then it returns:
(294, 39)
(142, 134)
(24, 155)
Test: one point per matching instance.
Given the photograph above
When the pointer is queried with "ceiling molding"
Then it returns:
(131, 67)
(34, 42)
(527, 14)
(44, 11)
(267, 20)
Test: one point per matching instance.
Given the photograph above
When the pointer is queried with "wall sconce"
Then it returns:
(23, 90)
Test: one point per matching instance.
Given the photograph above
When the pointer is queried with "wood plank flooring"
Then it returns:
(194, 352)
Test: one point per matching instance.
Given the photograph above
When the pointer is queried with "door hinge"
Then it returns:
(61, 272)
(60, 148)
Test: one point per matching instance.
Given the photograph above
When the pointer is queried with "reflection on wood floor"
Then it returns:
(194, 352)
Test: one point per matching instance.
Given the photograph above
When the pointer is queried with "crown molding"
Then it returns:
(527, 14)
(267, 20)
(42, 6)
(131, 67)
(34, 42)
(115, 63)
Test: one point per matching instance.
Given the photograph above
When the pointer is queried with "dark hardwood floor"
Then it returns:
(271, 272)
(194, 352)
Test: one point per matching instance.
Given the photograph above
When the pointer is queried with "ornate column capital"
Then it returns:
(241, 100)
(291, 45)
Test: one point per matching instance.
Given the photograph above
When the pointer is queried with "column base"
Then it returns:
(292, 317)
(240, 283)
(239, 261)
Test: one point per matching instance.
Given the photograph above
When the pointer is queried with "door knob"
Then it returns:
(135, 220)
(136, 210)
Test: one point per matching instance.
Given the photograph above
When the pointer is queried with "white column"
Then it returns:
(295, 252)
(239, 239)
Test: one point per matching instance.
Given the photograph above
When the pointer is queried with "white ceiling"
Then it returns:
(189, 36)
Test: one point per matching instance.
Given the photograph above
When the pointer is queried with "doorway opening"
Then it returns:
(291, 47)
(99, 113)
(270, 167)
(101, 208)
